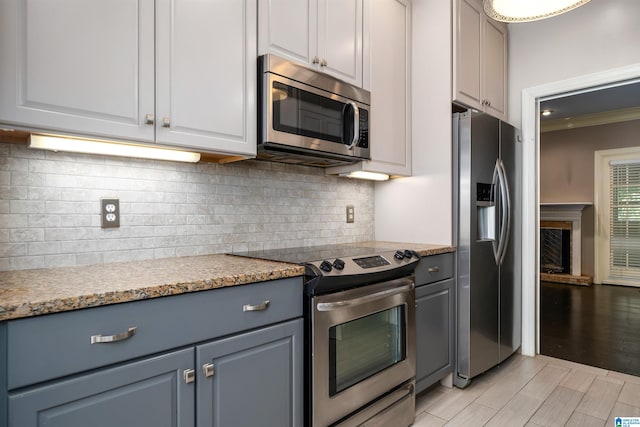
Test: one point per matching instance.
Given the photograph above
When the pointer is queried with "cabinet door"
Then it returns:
(340, 39)
(434, 332)
(390, 87)
(149, 393)
(288, 28)
(495, 68)
(255, 378)
(83, 66)
(467, 87)
(206, 75)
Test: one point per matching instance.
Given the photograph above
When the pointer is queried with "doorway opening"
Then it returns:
(532, 98)
(587, 175)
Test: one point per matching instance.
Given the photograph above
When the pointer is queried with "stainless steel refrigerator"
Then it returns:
(488, 291)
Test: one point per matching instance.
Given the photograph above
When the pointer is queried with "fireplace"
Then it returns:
(560, 243)
(555, 247)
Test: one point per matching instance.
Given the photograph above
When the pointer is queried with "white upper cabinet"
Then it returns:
(326, 34)
(206, 74)
(78, 65)
(390, 85)
(480, 59)
(175, 72)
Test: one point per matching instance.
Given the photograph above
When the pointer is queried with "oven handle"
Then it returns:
(329, 306)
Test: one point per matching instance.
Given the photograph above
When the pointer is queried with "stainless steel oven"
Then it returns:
(363, 342)
(359, 334)
(308, 117)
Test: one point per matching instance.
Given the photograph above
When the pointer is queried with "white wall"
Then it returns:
(601, 35)
(418, 209)
(587, 46)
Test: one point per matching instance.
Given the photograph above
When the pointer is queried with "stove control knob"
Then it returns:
(325, 266)
(338, 264)
(399, 255)
(408, 254)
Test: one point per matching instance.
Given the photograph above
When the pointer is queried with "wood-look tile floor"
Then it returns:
(533, 391)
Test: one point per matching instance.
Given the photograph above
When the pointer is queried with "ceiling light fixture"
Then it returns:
(373, 176)
(528, 10)
(547, 112)
(108, 148)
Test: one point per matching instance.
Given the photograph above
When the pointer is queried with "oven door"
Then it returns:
(308, 118)
(363, 346)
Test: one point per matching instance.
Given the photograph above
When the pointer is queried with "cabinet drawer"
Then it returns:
(434, 268)
(47, 347)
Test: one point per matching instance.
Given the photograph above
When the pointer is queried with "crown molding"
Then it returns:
(595, 119)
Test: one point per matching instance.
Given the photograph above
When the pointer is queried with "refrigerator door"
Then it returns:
(477, 270)
(510, 293)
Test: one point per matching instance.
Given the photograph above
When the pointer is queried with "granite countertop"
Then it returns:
(27, 293)
(422, 249)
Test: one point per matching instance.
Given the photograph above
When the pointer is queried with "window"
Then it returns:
(624, 218)
(617, 187)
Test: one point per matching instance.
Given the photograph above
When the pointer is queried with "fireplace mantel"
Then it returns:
(569, 211)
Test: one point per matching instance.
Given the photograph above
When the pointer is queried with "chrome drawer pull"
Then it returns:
(97, 339)
(257, 307)
(433, 269)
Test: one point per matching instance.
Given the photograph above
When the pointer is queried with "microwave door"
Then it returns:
(303, 116)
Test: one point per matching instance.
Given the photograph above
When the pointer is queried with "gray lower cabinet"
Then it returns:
(150, 392)
(434, 320)
(253, 379)
(195, 359)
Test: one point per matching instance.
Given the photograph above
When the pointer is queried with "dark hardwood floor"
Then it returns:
(596, 325)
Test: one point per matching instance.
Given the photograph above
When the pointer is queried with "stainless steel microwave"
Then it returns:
(310, 118)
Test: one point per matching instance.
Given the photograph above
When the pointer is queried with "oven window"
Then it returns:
(363, 347)
(304, 113)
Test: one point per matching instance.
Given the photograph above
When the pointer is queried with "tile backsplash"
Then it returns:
(50, 208)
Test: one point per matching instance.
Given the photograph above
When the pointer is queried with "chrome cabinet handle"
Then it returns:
(208, 369)
(166, 122)
(433, 269)
(97, 339)
(148, 119)
(257, 307)
(189, 375)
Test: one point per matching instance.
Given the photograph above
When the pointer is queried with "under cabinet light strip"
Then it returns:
(373, 176)
(91, 146)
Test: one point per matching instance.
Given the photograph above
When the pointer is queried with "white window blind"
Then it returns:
(624, 219)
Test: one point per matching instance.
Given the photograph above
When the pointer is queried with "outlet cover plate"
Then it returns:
(350, 214)
(110, 213)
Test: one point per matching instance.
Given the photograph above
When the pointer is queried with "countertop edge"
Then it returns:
(34, 303)
(91, 300)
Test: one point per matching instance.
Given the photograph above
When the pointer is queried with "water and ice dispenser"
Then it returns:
(485, 203)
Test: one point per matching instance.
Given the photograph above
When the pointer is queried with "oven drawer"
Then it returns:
(47, 347)
(434, 268)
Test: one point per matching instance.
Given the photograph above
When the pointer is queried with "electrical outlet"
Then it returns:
(350, 214)
(110, 213)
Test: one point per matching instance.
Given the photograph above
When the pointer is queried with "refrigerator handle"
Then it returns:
(506, 212)
(495, 181)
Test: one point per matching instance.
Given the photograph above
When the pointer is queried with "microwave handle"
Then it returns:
(356, 125)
